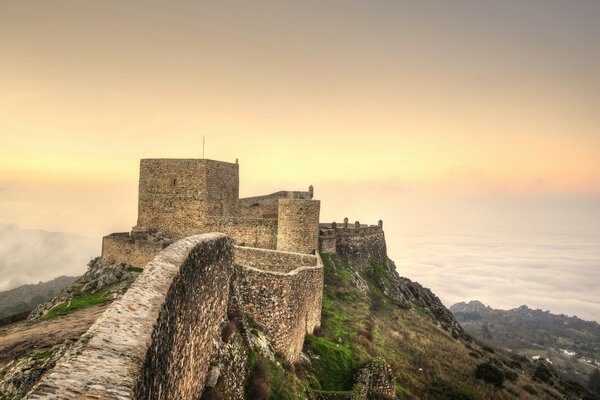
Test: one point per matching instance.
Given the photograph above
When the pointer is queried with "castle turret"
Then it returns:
(298, 225)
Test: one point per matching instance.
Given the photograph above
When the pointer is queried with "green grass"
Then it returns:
(268, 380)
(134, 269)
(334, 366)
(420, 310)
(77, 303)
(379, 272)
(43, 355)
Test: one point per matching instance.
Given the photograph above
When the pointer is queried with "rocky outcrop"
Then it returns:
(114, 278)
(367, 253)
(19, 376)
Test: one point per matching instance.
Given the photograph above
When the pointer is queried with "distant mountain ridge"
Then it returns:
(25, 298)
(570, 343)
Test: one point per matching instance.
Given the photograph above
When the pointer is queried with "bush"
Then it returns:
(229, 330)
(542, 373)
(530, 389)
(259, 388)
(451, 391)
(490, 374)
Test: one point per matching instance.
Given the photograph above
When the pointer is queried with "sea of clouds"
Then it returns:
(556, 270)
(33, 255)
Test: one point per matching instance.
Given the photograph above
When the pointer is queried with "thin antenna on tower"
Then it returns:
(203, 146)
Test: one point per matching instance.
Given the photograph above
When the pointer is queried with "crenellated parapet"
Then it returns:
(332, 234)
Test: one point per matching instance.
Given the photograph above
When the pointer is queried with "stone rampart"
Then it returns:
(122, 248)
(287, 304)
(272, 260)
(267, 206)
(253, 232)
(158, 339)
(337, 235)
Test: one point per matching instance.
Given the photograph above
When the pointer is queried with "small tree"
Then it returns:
(490, 374)
(594, 383)
(93, 262)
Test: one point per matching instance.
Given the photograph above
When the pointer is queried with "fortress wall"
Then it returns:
(298, 225)
(267, 206)
(121, 248)
(171, 194)
(327, 244)
(158, 339)
(331, 235)
(288, 304)
(271, 260)
(252, 232)
(362, 248)
(222, 188)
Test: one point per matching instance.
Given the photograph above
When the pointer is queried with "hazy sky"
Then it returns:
(410, 111)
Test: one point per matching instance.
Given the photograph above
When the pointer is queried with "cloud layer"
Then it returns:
(505, 268)
(30, 256)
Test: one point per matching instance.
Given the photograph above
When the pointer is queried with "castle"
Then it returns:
(163, 334)
(184, 197)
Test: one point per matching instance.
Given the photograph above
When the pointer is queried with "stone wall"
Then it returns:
(159, 337)
(271, 260)
(345, 237)
(287, 304)
(267, 206)
(298, 226)
(121, 248)
(253, 232)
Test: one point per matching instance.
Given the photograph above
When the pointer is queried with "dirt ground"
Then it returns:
(22, 337)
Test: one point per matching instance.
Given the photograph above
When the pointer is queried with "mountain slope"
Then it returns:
(382, 336)
(572, 344)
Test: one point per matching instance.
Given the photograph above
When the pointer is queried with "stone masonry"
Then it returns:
(183, 197)
(159, 337)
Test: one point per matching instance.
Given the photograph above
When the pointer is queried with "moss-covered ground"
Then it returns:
(428, 363)
(79, 302)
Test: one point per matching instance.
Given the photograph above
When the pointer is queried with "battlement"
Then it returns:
(331, 234)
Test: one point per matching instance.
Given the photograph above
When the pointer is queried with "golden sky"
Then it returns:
(471, 97)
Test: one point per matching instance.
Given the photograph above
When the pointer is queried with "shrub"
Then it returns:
(530, 389)
(451, 391)
(93, 262)
(211, 393)
(490, 374)
(229, 330)
(259, 388)
(542, 373)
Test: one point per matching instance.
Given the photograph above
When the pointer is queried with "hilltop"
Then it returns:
(377, 327)
(213, 296)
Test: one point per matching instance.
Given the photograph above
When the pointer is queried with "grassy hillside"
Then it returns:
(361, 324)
